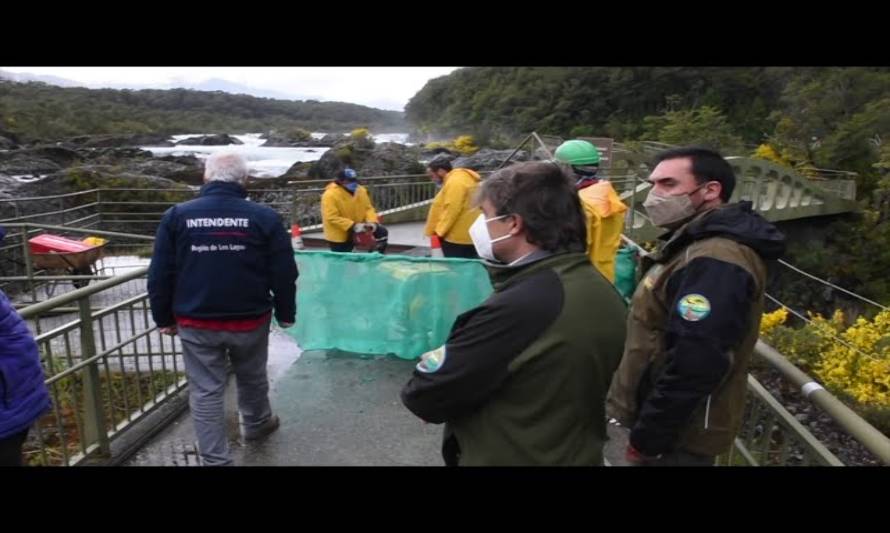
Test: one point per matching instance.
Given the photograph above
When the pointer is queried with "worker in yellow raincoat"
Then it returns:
(346, 209)
(452, 212)
(603, 208)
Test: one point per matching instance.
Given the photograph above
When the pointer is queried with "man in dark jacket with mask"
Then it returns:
(522, 379)
(695, 315)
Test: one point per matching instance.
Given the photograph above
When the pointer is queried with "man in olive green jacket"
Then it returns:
(523, 377)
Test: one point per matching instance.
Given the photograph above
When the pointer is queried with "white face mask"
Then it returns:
(482, 239)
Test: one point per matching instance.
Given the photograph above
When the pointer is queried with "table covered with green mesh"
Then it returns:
(383, 304)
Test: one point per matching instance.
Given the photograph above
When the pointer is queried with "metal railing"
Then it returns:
(851, 423)
(771, 436)
(130, 215)
(106, 370)
(138, 210)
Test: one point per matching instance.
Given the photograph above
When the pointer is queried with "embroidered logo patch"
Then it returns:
(694, 307)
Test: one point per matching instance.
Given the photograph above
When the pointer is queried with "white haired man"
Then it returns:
(221, 266)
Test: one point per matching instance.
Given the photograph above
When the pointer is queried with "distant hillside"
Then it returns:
(36, 110)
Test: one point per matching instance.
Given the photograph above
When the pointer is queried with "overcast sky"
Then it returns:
(381, 87)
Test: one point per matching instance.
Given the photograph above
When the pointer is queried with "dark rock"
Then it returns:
(488, 159)
(113, 155)
(7, 144)
(281, 139)
(367, 158)
(298, 171)
(24, 165)
(91, 177)
(277, 139)
(119, 140)
(272, 143)
(438, 153)
(267, 183)
(11, 138)
(188, 160)
(295, 144)
(210, 140)
(7, 184)
(34, 161)
(184, 173)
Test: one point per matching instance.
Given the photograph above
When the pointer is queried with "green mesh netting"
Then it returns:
(383, 304)
(626, 272)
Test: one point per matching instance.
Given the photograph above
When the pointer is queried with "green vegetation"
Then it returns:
(46, 112)
(812, 117)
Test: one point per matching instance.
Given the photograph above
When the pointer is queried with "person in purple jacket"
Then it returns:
(23, 394)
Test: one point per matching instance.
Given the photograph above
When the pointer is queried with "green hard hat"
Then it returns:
(577, 152)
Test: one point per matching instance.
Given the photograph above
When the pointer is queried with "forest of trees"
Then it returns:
(36, 110)
(830, 116)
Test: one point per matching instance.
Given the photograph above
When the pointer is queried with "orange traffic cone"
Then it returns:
(435, 246)
(296, 237)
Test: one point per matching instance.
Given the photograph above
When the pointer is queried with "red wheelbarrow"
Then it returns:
(56, 253)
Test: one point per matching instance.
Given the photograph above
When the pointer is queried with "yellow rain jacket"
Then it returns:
(451, 214)
(604, 211)
(340, 210)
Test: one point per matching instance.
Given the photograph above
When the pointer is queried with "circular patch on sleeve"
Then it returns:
(694, 307)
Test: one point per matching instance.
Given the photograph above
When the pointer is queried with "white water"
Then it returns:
(400, 138)
(262, 161)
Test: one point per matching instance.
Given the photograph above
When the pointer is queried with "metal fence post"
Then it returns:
(29, 268)
(95, 430)
(99, 207)
(632, 214)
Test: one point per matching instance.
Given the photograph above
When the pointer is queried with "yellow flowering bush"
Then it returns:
(859, 370)
(437, 144)
(771, 320)
(464, 144)
(360, 133)
(767, 152)
(864, 372)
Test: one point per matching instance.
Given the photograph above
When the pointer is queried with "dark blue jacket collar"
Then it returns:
(226, 188)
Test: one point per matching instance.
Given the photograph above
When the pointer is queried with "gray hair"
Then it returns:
(225, 166)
